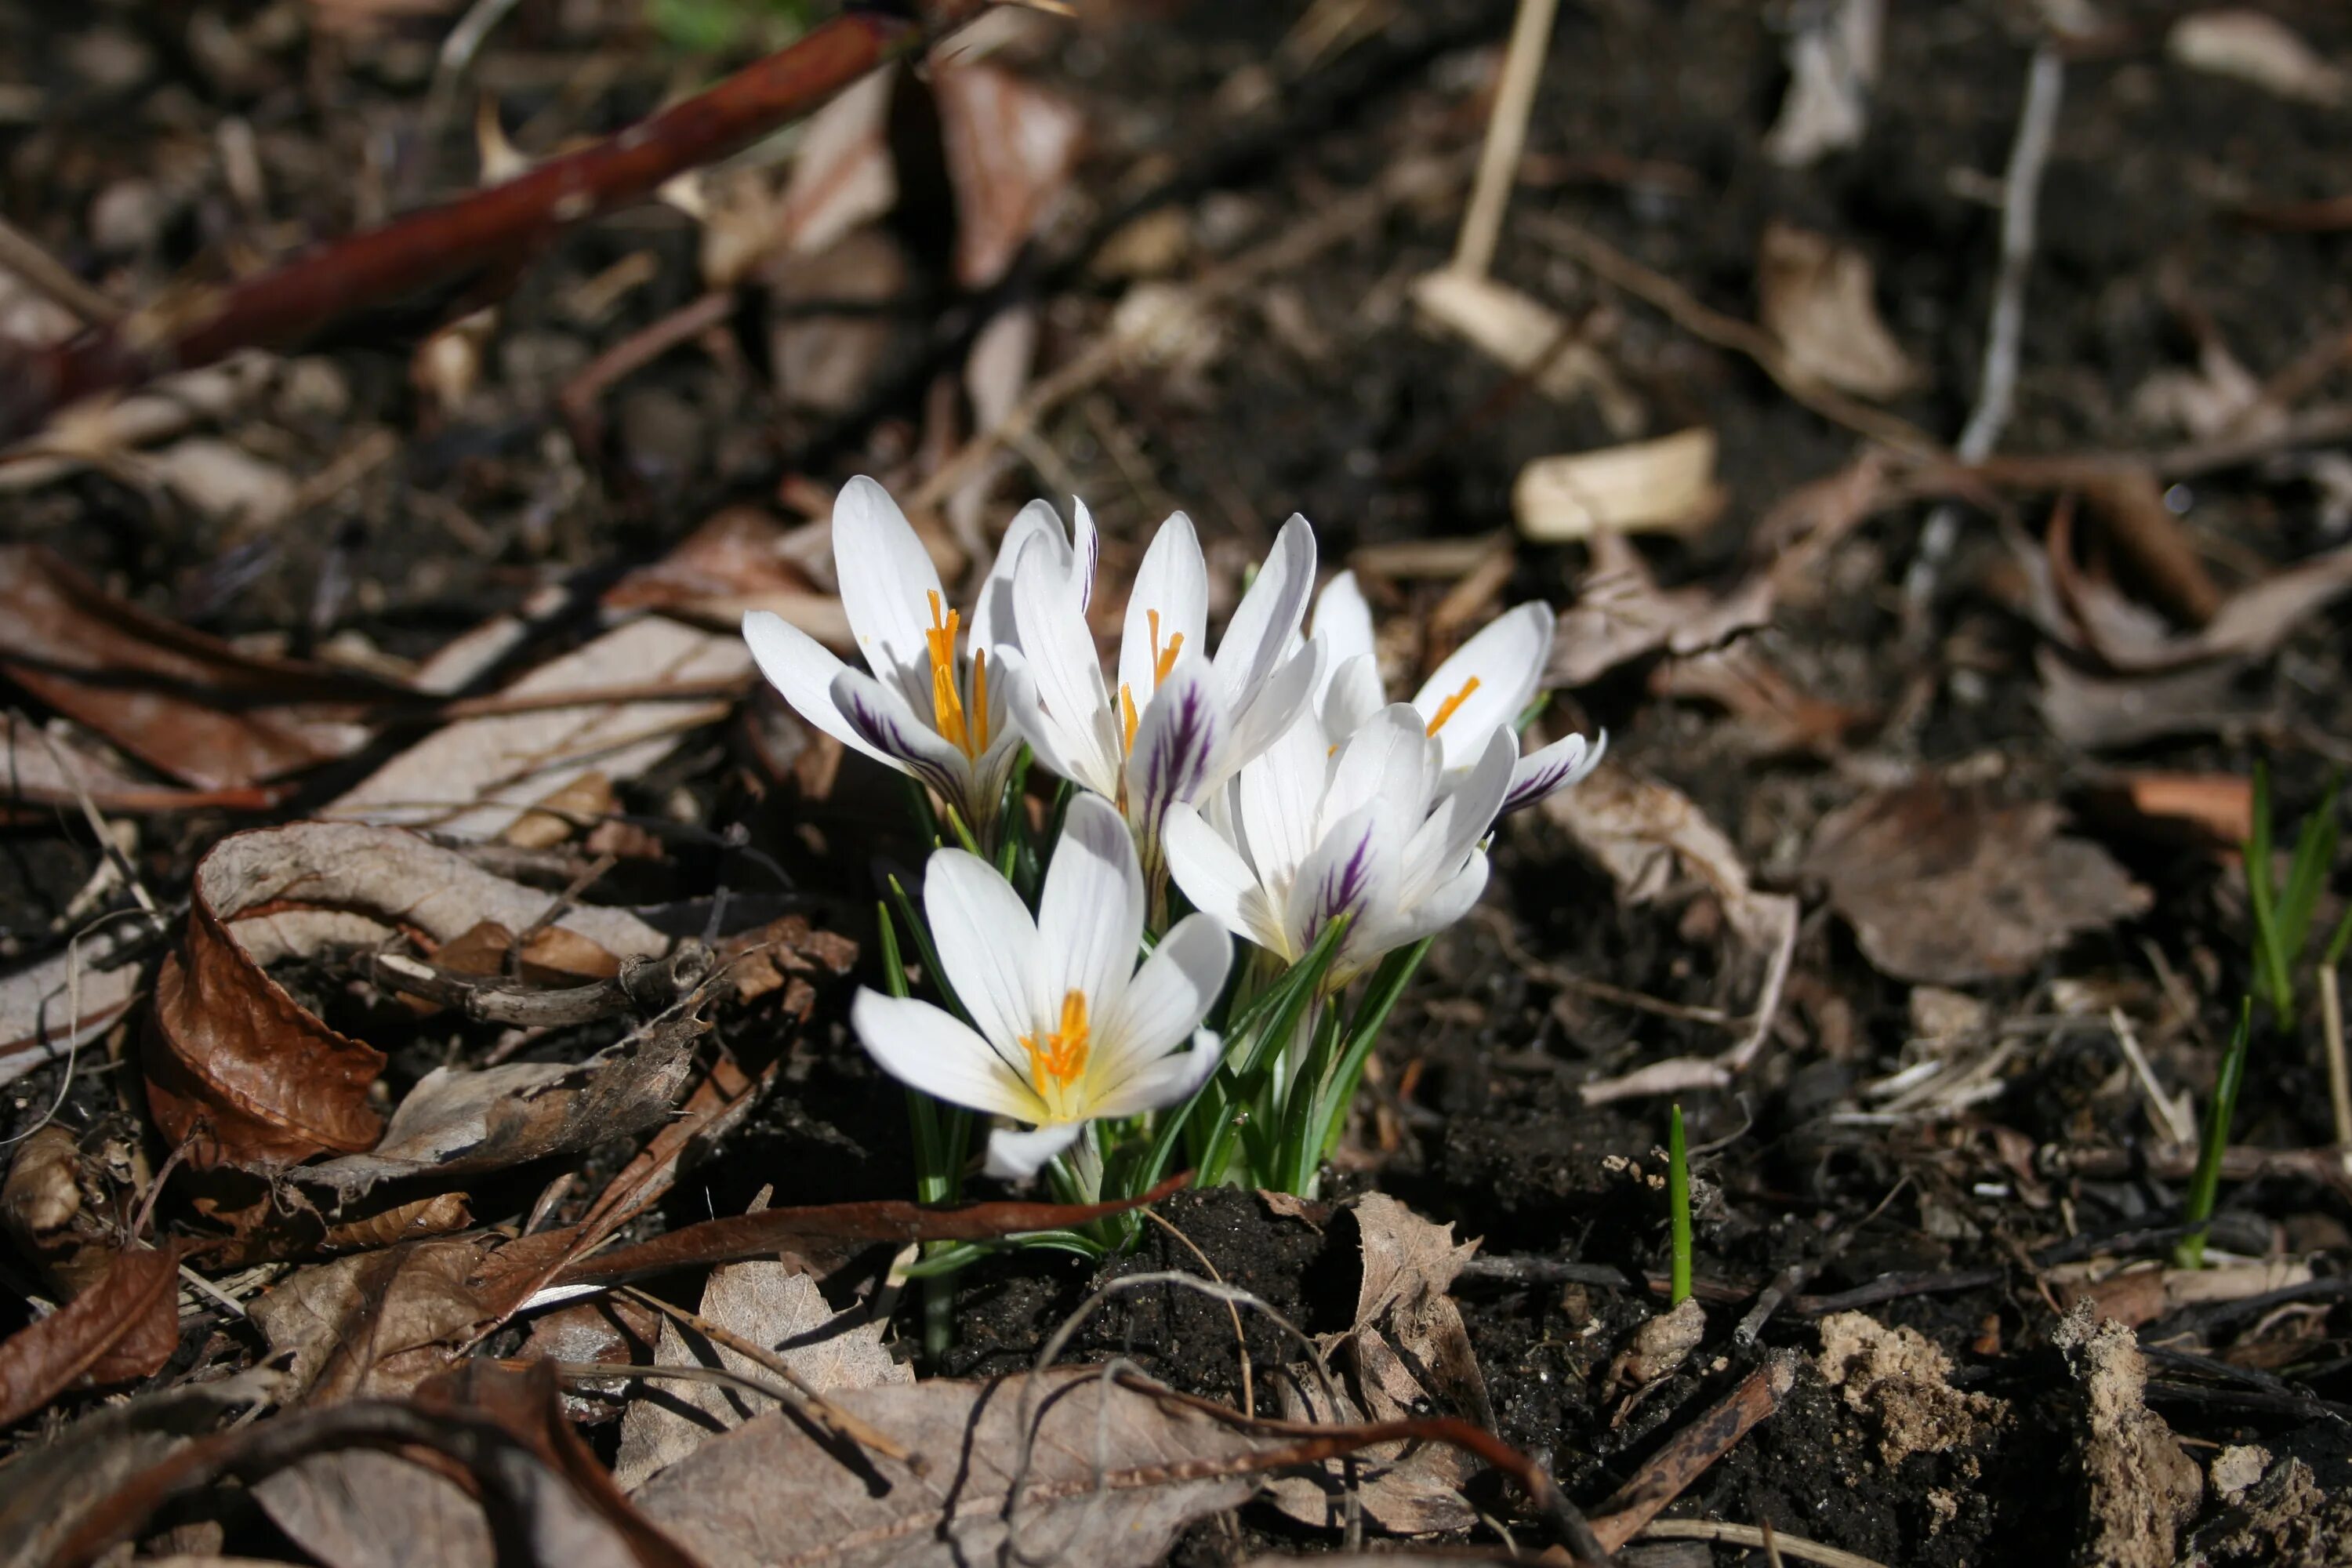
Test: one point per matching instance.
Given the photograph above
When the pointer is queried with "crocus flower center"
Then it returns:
(1162, 661)
(1060, 1059)
(966, 734)
(1447, 708)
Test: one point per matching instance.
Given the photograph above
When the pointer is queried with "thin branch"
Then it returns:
(49, 277)
(449, 259)
(2037, 122)
(1506, 137)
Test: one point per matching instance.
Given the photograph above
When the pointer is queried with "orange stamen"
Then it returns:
(1062, 1057)
(947, 702)
(1446, 708)
(1162, 661)
(1127, 715)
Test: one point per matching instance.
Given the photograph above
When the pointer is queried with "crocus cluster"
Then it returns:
(1268, 780)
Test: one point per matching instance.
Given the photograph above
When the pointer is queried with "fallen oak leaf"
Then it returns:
(240, 1072)
(1947, 886)
(50, 771)
(124, 1327)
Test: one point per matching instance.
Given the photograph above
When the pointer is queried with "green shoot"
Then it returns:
(1678, 1207)
(2205, 1185)
(2283, 915)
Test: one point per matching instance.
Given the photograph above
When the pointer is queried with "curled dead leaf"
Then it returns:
(124, 1327)
(240, 1072)
(1818, 298)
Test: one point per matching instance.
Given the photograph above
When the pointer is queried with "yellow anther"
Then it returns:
(1162, 659)
(947, 702)
(1447, 708)
(1128, 717)
(1060, 1059)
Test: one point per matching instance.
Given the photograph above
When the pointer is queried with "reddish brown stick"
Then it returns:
(472, 249)
(1685, 1460)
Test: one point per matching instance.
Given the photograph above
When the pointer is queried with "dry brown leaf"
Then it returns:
(833, 335)
(1528, 338)
(2243, 43)
(243, 1074)
(2086, 615)
(1113, 1474)
(381, 1323)
(43, 1209)
(1662, 486)
(1621, 615)
(52, 1486)
(2098, 713)
(1946, 886)
(52, 1005)
(842, 178)
(2214, 809)
(123, 1327)
(439, 1215)
(459, 1122)
(777, 1306)
(739, 552)
(475, 777)
(49, 770)
(1641, 832)
(180, 702)
(1011, 145)
(1408, 1347)
(360, 1508)
(1817, 297)
(1769, 717)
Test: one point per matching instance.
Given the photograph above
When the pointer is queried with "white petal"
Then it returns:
(883, 724)
(1343, 620)
(1090, 915)
(1274, 705)
(1170, 1081)
(1278, 802)
(1508, 660)
(1017, 1157)
(1390, 761)
(992, 609)
(1219, 881)
(1171, 995)
(887, 582)
(1450, 901)
(1352, 872)
(1179, 747)
(1065, 670)
(1439, 846)
(988, 946)
(927, 1047)
(1058, 752)
(1173, 585)
(1085, 546)
(1351, 695)
(1267, 618)
(802, 669)
(1552, 769)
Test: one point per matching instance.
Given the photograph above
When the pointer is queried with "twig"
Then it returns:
(467, 252)
(2339, 1082)
(1241, 1339)
(1506, 136)
(1695, 1447)
(1684, 308)
(2037, 120)
(1750, 1535)
(803, 1395)
(49, 277)
(1405, 180)
(2169, 1120)
(650, 983)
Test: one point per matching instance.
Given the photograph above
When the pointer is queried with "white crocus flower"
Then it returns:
(1482, 689)
(1175, 724)
(1306, 835)
(928, 708)
(1064, 1029)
